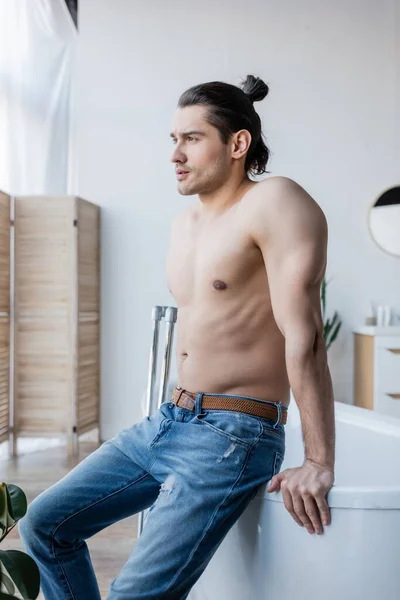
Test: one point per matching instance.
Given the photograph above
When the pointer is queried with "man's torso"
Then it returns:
(227, 338)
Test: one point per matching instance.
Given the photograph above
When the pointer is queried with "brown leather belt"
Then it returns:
(258, 408)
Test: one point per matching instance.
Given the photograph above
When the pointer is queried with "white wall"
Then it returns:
(331, 120)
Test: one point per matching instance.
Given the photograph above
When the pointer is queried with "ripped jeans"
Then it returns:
(196, 470)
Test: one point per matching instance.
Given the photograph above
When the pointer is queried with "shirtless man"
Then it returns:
(245, 266)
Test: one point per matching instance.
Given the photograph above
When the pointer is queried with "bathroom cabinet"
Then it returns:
(377, 369)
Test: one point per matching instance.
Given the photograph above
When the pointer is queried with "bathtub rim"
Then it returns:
(361, 497)
(352, 415)
(378, 498)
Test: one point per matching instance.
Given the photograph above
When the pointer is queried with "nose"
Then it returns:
(178, 156)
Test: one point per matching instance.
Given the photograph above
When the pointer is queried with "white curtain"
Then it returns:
(37, 44)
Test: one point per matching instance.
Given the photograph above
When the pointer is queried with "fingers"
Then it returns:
(287, 499)
(324, 510)
(299, 508)
(312, 512)
(308, 509)
(303, 508)
(275, 484)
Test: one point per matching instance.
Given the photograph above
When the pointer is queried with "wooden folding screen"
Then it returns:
(4, 316)
(56, 325)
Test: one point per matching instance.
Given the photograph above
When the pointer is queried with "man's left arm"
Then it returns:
(291, 231)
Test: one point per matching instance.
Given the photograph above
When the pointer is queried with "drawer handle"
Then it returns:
(396, 396)
(394, 350)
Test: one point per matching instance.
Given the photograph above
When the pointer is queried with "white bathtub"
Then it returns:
(267, 556)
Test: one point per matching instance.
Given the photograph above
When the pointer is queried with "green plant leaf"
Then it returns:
(323, 293)
(7, 597)
(331, 328)
(6, 581)
(334, 318)
(3, 506)
(6, 520)
(23, 571)
(327, 328)
(335, 332)
(18, 500)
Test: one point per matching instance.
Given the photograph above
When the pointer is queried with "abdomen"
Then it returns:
(233, 349)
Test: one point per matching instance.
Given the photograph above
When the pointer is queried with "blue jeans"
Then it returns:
(196, 470)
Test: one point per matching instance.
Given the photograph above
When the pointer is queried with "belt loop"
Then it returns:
(279, 407)
(199, 397)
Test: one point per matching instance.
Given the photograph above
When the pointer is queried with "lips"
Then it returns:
(180, 175)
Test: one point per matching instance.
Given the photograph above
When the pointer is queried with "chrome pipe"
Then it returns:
(158, 312)
(170, 319)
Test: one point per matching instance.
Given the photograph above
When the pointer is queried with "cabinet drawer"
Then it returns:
(387, 405)
(387, 341)
(387, 370)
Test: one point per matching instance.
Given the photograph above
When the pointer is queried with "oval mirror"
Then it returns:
(384, 221)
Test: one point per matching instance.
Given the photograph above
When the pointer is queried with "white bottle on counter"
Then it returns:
(379, 315)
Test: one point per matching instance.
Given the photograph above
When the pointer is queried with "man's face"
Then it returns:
(198, 149)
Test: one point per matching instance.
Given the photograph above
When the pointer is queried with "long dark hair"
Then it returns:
(230, 109)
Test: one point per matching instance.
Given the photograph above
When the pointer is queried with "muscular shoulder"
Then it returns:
(278, 207)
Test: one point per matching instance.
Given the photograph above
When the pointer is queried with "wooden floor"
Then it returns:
(35, 472)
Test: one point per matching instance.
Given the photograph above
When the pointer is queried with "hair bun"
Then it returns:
(254, 88)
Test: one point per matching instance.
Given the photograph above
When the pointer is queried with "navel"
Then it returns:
(219, 285)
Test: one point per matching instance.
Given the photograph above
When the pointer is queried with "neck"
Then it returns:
(220, 200)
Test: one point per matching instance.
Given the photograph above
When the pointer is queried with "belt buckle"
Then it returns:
(179, 394)
(187, 401)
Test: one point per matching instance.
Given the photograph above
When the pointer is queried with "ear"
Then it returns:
(241, 141)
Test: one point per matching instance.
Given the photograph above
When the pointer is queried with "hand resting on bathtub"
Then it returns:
(304, 490)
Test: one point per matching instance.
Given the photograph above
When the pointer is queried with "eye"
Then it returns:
(188, 138)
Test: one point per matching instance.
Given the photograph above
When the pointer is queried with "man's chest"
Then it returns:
(218, 259)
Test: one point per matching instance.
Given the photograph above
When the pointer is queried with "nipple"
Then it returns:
(219, 285)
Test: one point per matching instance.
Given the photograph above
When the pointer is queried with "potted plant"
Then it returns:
(22, 572)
